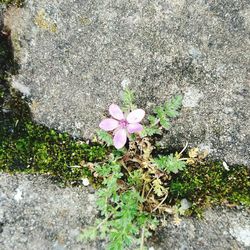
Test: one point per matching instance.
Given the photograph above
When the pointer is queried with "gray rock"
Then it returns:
(219, 229)
(2, 9)
(76, 55)
(47, 217)
(75, 58)
(36, 214)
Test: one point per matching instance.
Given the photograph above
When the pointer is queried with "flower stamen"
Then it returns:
(123, 123)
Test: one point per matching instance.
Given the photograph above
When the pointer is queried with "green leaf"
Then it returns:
(170, 163)
(132, 137)
(160, 112)
(164, 121)
(143, 219)
(149, 131)
(135, 178)
(105, 136)
(88, 234)
(153, 120)
(128, 100)
(121, 208)
(103, 170)
(108, 168)
(172, 106)
(116, 242)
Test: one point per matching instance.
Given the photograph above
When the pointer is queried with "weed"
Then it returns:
(136, 187)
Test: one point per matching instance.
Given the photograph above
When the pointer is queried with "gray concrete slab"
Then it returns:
(74, 55)
(35, 213)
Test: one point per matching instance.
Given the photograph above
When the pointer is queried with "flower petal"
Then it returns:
(134, 127)
(116, 112)
(120, 138)
(135, 116)
(109, 124)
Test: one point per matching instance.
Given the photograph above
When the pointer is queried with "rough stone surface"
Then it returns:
(2, 9)
(35, 213)
(75, 54)
(75, 57)
(218, 230)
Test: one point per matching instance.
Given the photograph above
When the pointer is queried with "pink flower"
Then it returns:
(121, 125)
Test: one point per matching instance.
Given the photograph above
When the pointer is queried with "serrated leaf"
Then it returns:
(159, 112)
(116, 241)
(172, 106)
(143, 219)
(165, 122)
(128, 99)
(153, 120)
(136, 178)
(103, 170)
(159, 190)
(169, 163)
(148, 131)
(105, 136)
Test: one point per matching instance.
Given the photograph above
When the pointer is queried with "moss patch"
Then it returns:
(32, 148)
(211, 184)
(18, 3)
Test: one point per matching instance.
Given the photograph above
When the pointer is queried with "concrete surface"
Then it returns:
(75, 54)
(35, 213)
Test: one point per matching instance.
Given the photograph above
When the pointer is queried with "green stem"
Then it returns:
(142, 238)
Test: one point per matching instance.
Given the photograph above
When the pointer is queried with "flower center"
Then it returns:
(123, 123)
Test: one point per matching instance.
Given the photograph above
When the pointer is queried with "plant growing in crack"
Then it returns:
(133, 183)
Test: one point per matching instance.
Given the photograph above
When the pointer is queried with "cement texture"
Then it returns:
(75, 56)
(35, 213)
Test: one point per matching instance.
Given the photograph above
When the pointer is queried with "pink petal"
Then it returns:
(136, 116)
(109, 124)
(134, 127)
(116, 112)
(120, 138)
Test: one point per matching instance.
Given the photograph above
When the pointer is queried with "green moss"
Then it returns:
(18, 3)
(211, 184)
(32, 148)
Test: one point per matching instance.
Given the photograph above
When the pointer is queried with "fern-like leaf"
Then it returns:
(159, 190)
(172, 106)
(149, 131)
(128, 100)
(164, 121)
(170, 163)
(105, 137)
